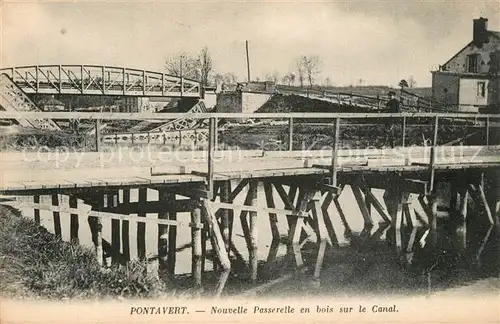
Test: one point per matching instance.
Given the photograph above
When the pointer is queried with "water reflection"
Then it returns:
(428, 261)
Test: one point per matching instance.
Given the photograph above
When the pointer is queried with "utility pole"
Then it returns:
(248, 62)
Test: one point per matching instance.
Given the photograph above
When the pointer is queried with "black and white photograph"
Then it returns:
(250, 161)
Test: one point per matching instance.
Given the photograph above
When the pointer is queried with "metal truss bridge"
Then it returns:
(100, 80)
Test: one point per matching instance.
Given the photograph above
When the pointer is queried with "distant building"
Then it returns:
(51, 104)
(245, 98)
(469, 80)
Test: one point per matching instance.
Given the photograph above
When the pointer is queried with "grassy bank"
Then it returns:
(34, 264)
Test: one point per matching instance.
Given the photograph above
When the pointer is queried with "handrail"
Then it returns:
(56, 66)
(166, 116)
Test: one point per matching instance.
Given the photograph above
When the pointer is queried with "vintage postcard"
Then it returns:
(249, 161)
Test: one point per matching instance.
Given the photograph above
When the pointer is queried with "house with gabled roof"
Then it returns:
(469, 80)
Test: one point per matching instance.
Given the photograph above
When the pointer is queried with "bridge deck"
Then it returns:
(82, 170)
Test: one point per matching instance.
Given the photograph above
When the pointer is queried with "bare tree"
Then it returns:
(286, 80)
(328, 82)
(274, 77)
(311, 66)
(204, 64)
(230, 78)
(411, 81)
(291, 76)
(299, 66)
(183, 65)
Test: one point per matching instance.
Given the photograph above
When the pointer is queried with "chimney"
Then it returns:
(480, 31)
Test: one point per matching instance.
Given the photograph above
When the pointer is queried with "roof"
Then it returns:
(495, 34)
(51, 102)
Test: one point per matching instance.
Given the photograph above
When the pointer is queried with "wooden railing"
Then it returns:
(490, 120)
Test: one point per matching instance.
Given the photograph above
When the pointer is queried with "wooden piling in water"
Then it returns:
(56, 216)
(196, 245)
(126, 228)
(167, 235)
(36, 211)
(273, 218)
(141, 227)
(95, 225)
(115, 230)
(74, 220)
(253, 247)
(227, 215)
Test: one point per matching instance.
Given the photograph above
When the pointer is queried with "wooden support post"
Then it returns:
(335, 149)
(36, 211)
(227, 215)
(211, 150)
(347, 228)
(403, 141)
(433, 154)
(115, 231)
(326, 217)
(454, 200)
(57, 217)
(98, 135)
(98, 245)
(253, 247)
(273, 218)
(125, 228)
(196, 246)
(483, 202)
(464, 197)
(287, 200)
(394, 200)
(408, 212)
(96, 228)
(361, 204)
(368, 202)
(217, 244)
(321, 233)
(141, 227)
(487, 135)
(376, 204)
(74, 220)
(305, 194)
(166, 243)
(242, 184)
(292, 193)
(290, 134)
(243, 217)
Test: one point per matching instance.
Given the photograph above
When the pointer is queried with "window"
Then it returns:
(473, 63)
(481, 89)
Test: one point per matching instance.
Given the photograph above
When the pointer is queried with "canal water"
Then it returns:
(364, 262)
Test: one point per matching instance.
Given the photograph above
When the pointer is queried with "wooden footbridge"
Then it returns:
(300, 188)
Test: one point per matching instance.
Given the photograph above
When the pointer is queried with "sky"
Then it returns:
(380, 42)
